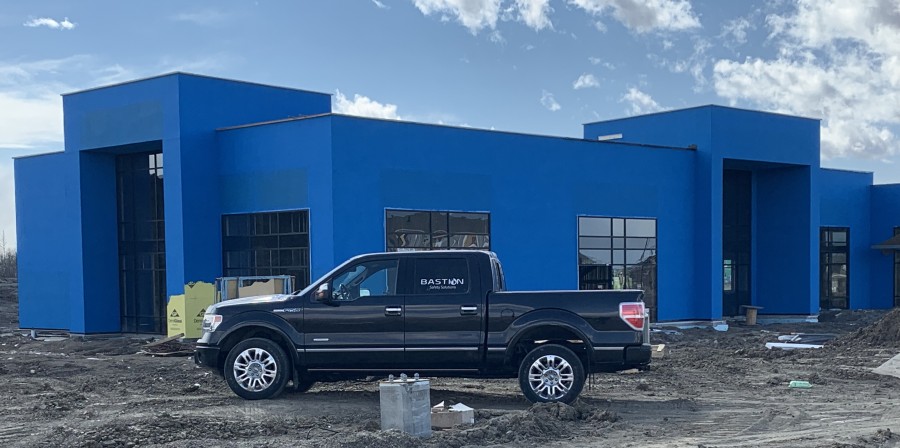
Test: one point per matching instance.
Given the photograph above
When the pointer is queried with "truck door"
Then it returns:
(361, 326)
(444, 313)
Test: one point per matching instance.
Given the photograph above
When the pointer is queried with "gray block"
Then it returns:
(406, 405)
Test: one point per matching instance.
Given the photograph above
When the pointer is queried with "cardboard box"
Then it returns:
(445, 417)
(185, 311)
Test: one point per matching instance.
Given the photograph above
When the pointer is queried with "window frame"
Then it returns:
(827, 250)
(449, 235)
(616, 237)
(250, 252)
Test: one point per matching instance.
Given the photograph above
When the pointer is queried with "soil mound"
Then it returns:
(380, 439)
(540, 422)
(168, 428)
(883, 333)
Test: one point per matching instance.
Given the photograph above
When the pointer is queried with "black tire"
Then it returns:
(558, 377)
(262, 369)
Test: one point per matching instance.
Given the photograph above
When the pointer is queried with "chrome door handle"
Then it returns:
(468, 310)
(393, 311)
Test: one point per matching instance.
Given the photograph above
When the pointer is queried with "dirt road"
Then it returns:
(712, 389)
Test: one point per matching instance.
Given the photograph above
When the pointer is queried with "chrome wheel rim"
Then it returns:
(551, 377)
(255, 369)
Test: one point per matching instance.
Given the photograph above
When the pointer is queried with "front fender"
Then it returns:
(262, 319)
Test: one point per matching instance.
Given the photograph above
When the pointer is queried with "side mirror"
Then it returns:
(323, 294)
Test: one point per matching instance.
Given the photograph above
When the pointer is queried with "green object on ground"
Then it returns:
(800, 384)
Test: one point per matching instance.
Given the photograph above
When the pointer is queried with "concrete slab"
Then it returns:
(890, 368)
(786, 319)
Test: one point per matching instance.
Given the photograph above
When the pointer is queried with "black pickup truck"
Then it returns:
(440, 313)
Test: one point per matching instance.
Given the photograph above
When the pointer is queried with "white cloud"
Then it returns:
(30, 102)
(736, 30)
(535, 13)
(472, 14)
(206, 17)
(497, 37)
(646, 15)
(695, 63)
(838, 60)
(640, 102)
(605, 64)
(477, 15)
(380, 5)
(548, 101)
(65, 24)
(30, 120)
(585, 81)
(364, 106)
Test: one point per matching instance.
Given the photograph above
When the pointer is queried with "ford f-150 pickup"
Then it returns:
(440, 313)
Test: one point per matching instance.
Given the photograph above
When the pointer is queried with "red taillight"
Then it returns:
(633, 314)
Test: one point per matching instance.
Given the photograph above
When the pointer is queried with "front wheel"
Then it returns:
(551, 373)
(257, 369)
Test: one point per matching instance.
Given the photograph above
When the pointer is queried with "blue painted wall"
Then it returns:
(884, 217)
(174, 112)
(49, 240)
(284, 166)
(846, 201)
(534, 187)
(206, 104)
(781, 151)
(346, 171)
(786, 258)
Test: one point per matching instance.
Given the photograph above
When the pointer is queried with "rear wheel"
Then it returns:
(551, 373)
(257, 369)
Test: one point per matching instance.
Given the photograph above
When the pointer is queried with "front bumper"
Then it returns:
(207, 356)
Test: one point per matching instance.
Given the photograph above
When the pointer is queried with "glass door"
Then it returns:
(142, 245)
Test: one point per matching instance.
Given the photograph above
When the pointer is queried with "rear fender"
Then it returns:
(562, 319)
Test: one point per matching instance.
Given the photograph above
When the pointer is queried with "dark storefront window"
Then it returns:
(896, 272)
(429, 230)
(275, 243)
(142, 243)
(618, 253)
(834, 272)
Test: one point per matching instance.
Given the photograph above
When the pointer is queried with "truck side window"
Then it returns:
(441, 276)
(371, 278)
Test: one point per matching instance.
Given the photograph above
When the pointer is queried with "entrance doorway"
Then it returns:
(737, 197)
(834, 272)
(142, 244)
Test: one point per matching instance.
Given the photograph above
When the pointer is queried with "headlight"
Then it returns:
(211, 322)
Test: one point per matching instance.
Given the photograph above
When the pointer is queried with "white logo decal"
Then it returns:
(442, 283)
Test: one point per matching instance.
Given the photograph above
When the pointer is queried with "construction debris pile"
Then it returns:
(170, 346)
(883, 333)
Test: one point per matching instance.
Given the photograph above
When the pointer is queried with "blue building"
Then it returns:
(182, 178)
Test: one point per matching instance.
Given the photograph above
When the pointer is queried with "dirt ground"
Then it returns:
(712, 389)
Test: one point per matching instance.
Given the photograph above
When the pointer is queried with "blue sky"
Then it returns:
(536, 66)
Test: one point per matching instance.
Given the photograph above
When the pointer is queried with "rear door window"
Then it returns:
(441, 276)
